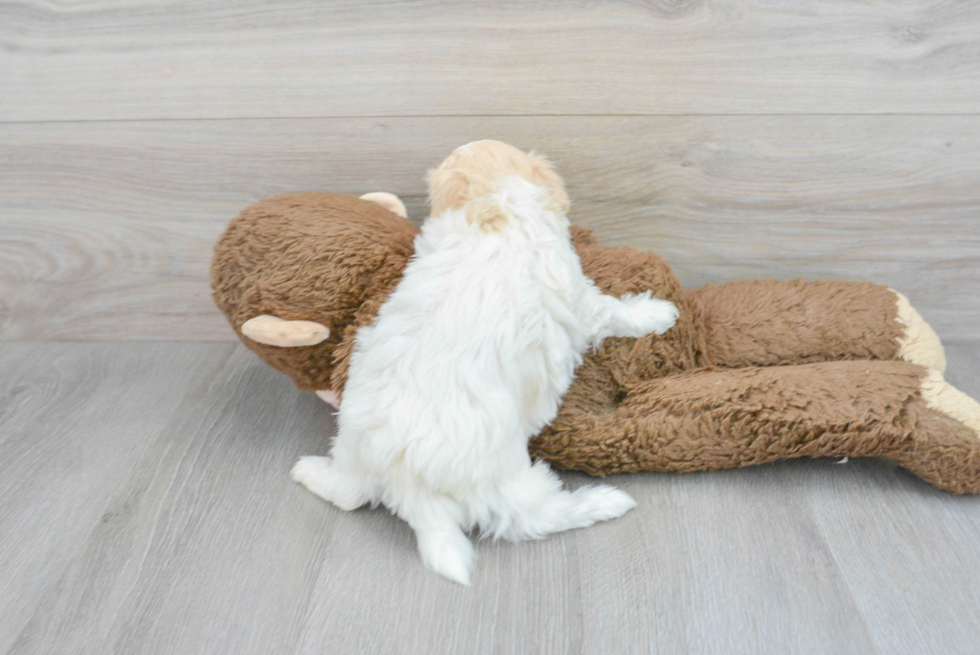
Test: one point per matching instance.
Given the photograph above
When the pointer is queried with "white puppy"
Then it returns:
(469, 358)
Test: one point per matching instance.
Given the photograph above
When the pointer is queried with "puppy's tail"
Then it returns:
(436, 520)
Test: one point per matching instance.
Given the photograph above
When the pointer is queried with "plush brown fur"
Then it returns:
(753, 372)
(319, 257)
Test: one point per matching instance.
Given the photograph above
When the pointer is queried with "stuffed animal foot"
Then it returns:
(944, 397)
(274, 331)
(329, 397)
(945, 449)
(918, 342)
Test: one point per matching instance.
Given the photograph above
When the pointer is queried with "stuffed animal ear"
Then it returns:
(389, 201)
(485, 213)
(448, 189)
(274, 331)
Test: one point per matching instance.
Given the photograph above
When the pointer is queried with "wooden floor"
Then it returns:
(145, 505)
(146, 508)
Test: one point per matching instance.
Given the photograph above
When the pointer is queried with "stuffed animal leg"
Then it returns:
(724, 418)
(770, 322)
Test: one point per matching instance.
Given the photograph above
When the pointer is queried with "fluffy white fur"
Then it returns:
(466, 361)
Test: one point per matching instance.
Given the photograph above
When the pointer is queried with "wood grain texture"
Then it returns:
(169, 567)
(126, 59)
(107, 228)
(75, 419)
(192, 539)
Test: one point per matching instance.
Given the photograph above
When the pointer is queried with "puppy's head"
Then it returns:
(482, 167)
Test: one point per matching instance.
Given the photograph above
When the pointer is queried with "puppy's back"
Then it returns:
(475, 347)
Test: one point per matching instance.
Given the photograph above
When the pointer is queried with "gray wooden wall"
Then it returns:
(738, 138)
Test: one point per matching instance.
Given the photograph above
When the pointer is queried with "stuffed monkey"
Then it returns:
(754, 371)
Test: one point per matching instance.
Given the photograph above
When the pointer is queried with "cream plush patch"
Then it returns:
(274, 331)
(919, 344)
(944, 397)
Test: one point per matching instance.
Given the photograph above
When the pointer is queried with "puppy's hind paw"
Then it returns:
(602, 502)
(313, 473)
(448, 553)
(322, 477)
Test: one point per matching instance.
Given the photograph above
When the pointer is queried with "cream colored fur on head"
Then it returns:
(480, 168)
(469, 358)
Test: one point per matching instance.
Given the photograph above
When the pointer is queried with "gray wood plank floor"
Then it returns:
(146, 508)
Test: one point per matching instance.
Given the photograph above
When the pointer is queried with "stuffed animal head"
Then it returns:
(297, 274)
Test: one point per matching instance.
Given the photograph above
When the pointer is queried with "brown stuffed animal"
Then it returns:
(754, 371)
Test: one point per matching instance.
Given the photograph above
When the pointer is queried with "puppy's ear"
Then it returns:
(485, 213)
(448, 189)
(543, 174)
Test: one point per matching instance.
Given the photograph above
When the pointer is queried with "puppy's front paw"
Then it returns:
(650, 314)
